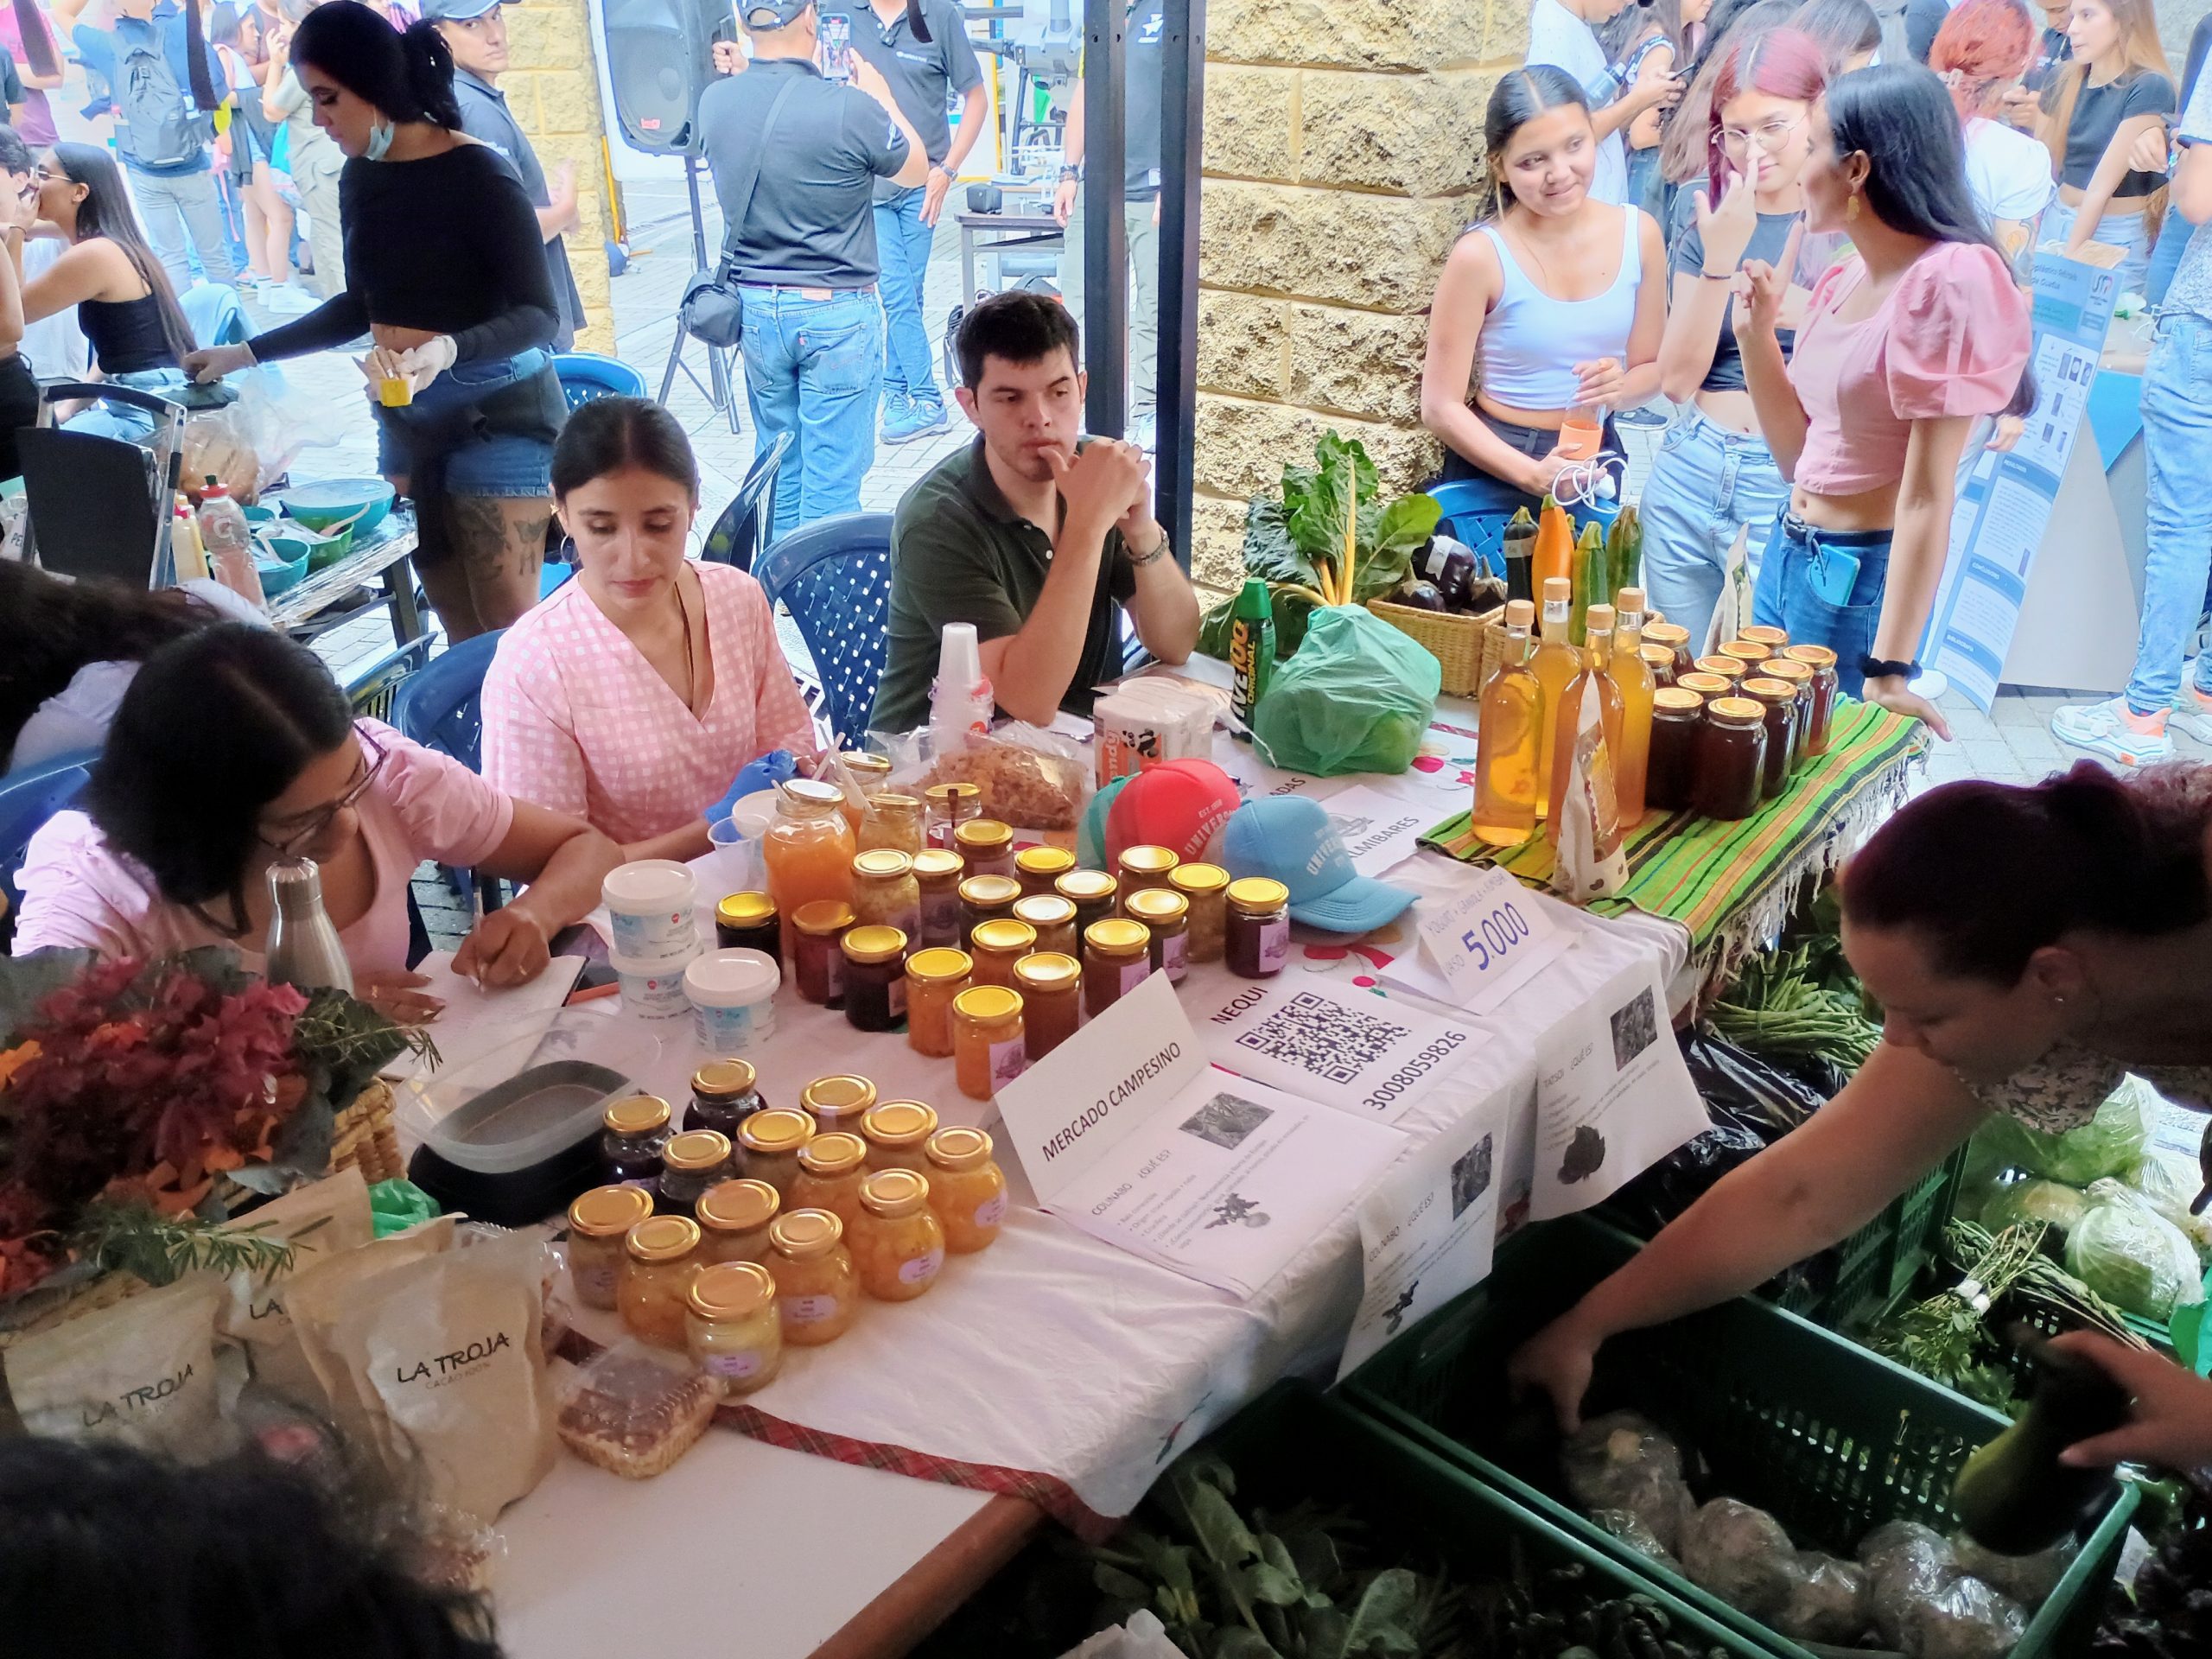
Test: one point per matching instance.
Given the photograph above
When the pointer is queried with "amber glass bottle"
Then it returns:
(1553, 664)
(1631, 677)
(1599, 626)
(1512, 722)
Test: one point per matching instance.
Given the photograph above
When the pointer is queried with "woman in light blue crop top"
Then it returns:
(1499, 304)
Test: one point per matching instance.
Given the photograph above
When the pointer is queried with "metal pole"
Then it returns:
(1181, 130)
(1105, 238)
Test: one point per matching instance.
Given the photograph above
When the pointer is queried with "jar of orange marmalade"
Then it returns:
(967, 1189)
(899, 1246)
(816, 1286)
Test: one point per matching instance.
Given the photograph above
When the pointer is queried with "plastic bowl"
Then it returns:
(322, 502)
(280, 576)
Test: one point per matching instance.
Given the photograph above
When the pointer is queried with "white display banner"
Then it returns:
(1344, 1048)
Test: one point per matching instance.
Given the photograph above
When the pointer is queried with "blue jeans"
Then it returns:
(814, 369)
(2165, 256)
(122, 421)
(1784, 598)
(2129, 230)
(1707, 485)
(2178, 510)
(902, 243)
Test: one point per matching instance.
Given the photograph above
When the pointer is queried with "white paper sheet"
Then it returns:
(482, 1031)
(1378, 831)
(1349, 1050)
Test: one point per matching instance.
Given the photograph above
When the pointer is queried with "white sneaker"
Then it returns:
(2192, 711)
(286, 301)
(2110, 729)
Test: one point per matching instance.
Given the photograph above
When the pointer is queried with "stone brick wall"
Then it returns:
(552, 86)
(1343, 154)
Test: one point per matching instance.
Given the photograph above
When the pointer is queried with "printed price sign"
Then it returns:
(1489, 941)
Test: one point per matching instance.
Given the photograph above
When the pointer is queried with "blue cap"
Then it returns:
(1289, 837)
(1091, 835)
(459, 11)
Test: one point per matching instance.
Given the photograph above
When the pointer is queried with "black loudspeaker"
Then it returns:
(659, 59)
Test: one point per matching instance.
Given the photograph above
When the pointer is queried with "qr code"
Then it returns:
(1327, 1039)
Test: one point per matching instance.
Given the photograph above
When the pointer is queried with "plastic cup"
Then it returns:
(649, 910)
(736, 862)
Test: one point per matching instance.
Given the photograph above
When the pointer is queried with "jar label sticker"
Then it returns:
(593, 1282)
(735, 1367)
(1274, 942)
(1174, 948)
(898, 997)
(920, 1269)
(1134, 973)
(907, 919)
(808, 1310)
(1008, 1061)
(992, 1211)
(940, 923)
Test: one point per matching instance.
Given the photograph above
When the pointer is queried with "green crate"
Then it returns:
(1880, 1262)
(1295, 1442)
(1831, 1440)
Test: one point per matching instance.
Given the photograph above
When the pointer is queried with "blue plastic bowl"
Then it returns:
(280, 576)
(319, 503)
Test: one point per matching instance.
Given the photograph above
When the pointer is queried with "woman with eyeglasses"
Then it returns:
(235, 748)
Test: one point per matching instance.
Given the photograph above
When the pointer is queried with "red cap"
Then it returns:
(1182, 805)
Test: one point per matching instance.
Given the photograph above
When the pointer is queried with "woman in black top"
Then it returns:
(445, 268)
(18, 210)
(2115, 99)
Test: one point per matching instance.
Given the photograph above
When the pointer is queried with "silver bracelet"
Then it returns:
(1137, 561)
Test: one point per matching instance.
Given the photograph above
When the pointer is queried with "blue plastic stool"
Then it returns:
(438, 705)
(587, 375)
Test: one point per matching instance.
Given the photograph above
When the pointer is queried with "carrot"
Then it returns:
(1555, 555)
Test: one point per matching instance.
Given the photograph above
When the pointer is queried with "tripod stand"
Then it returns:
(716, 387)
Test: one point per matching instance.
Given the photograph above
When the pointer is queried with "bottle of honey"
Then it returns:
(1554, 665)
(1632, 679)
(1592, 677)
(1512, 722)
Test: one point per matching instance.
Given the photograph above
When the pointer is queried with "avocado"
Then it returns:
(2013, 1495)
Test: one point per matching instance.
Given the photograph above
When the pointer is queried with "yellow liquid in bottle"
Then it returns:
(1609, 705)
(1554, 665)
(1631, 678)
(1507, 755)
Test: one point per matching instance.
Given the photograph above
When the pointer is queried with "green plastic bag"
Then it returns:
(398, 1205)
(2109, 1144)
(1356, 696)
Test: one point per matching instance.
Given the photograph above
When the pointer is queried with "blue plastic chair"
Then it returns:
(438, 707)
(1469, 517)
(835, 576)
(28, 799)
(215, 315)
(748, 524)
(587, 375)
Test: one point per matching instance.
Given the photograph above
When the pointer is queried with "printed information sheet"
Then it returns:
(1349, 1050)
(1126, 1132)
(1377, 831)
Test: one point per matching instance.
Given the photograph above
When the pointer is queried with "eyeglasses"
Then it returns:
(1770, 135)
(300, 831)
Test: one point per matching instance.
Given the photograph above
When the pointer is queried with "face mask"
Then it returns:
(381, 134)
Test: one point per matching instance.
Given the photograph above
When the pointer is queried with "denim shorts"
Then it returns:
(1786, 598)
(511, 452)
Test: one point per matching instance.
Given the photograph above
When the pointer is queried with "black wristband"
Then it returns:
(1882, 667)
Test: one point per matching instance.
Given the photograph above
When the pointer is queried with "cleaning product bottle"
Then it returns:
(229, 543)
(1251, 650)
(185, 549)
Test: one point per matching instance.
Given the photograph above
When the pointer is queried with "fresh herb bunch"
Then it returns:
(136, 1239)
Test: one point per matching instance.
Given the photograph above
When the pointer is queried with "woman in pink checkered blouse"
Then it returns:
(633, 696)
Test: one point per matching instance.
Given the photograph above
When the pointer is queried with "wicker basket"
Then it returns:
(1467, 648)
(362, 1137)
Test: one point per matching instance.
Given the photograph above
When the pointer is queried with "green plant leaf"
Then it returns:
(1269, 550)
(1406, 524)
(1271, 1577)
(1237, 1642)
(1126, 1587)
(1383, 1619)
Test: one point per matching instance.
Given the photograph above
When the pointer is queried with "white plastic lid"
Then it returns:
(731, 979)
(754, 813)
(646, 887)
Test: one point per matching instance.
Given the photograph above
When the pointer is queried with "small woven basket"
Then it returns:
(1467, 648)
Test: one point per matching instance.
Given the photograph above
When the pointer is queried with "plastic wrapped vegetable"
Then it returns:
(2110, 1143)
(1907, 1565)
(2169, 1183)
(2051, 1204)
(1827, 1602)
(1742, 1555)
(1732, 1078)
(1356, 696)
(1961, 1618)
(2133, 1256)
(2028, 1579)
(1631, 1530)
(1624, 1461)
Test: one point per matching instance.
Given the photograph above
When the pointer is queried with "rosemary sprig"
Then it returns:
(136, 1239)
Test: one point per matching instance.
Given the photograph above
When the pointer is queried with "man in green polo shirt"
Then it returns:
(1038, 538)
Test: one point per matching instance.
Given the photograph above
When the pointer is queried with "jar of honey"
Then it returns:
(1799, 679)
(1749, 653)
(747, 921)
(808, 847)
(893, 824)
(769, 1143)
(1707, 686)
(660, 1257)
(1670, 777)
(1661, 662)
(1051, 918)
(816, 1290)
(599, 1223)
(986, 846)
(1168, 913)
(986, 899)
(831, 1167)
(948, 805)
(1772, 638)
(733, 1217)
(1730, 757)
(733, 1328)
(1723, 668)
(936, 879)
(1206, 888)
(1140, 868)
(897, 1133)
(634, 1130)
(837, 1102)
(1092, 894)
(690, 1164)
(875, 977)
(995, 946)
(1257, 941)
(1038, 868)
(885, 892)
(967, 1189)
(1116, 959)
(1779, 699)
(1821, 661)
(898, 1244)
(1676, 638)
(988, 1050)
(933, 979)
(724, 1093)
(816, 962)
(1051, 983)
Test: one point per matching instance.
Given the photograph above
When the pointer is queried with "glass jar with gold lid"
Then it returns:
(885, 892)
(599, 1222)
(747, 921)
(816, 1286)
(986, 899)
(949, 806)
(891, 823)
(875, 977)
(661, 1253)
(986, 846)
(1750, 652)
(1720, 667)
(898, 1244)
(1091, 892)
(967, 1189)
(1257, 942)
(1168, 913)
(1207, 887)
(830, 1168)
(995, 946)
(1116, 957)
(936, 874)
(897, 1131)
(988, 1050)
(634, 1130)
(1707, 686)
(690, 1164)
(769, 1141)
(933, 979)
(724, 1093)
(816, 962)
(836, 1101)
(733, 1326)
(1142, 866)
(733, 1218)
(1052, 917)
(1038, 868)
(1051, 983)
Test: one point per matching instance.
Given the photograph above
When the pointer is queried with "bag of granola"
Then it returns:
(316, 1220)
(141, 1372)
(318, 1298)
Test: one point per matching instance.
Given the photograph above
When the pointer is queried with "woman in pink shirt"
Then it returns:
(1902, 346)
(636, 695)
(233, 749)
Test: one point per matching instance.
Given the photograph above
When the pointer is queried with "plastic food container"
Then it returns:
(649, 908)
(652, 991)
(732, 994)
(522, 1150)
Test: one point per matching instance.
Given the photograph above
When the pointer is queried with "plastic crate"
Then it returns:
(1293, 1442)
(1880, 1262)
(1829, 1438)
